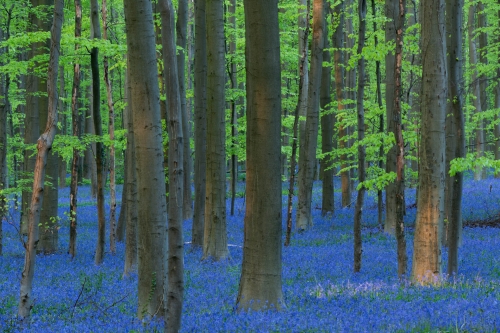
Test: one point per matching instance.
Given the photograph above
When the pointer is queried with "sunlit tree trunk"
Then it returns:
(152, 212)
(75, 94)
(303, 22)
(260, 283)
(215, 236)
(307, 157)
(200, 123)
(175, 292)
(455, 132)
(44, 146)
(426, 267)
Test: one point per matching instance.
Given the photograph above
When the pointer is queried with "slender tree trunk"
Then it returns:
(302, 23)
(176, 177)
(361, 135)
(426, 266)
(181, 29)
(75, 94)
(497, 105)
(260, 282)
(99, 152)
(44, 146)
(130, 188)
(233, 104)
(391, 12)
(90, 167)
(152, 213)
(4, 110)
(398, 134)
(200, 123)
(308, 155)
(327, 119)
(215, 241)
(454, 33)
(111, 131)
(62, 165)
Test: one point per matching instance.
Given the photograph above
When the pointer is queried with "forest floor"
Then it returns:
(321, 292)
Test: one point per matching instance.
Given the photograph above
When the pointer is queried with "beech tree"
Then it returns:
(260, 282)
(152, 212)
(44, 145)
(426, 266)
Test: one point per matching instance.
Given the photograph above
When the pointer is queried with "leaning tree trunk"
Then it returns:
(75, 94)
(260, 282)
(200, 124)
(152, 212)
(44, 146)
(456, 134)
(426, 267)
(99, 152)
(175, 292)
(215, 241)
(307, 157)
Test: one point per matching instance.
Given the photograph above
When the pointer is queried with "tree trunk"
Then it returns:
(398, 136)
(361, 135)
(391, 12)
(308, 155)
(215, 241)
(4, 110)
(260, 282)
(455, 134)
(181, 29)
(176, 177)
(426, 267)
(497, 105)
(89, 166)
(75, 94)
(327, 125)
(200, 123)
(44, 146)
(111, 131)
(99, 152)
(152, 213)
(302, 23)
(233, 78)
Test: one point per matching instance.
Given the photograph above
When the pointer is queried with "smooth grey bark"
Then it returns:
(75, 94)
(89, 162)
(44, 146)
(200, 123)
(129, 201)
(307, 157)
(152, 212)
(358, 210)
(426, 266)
(175, 291)
(215, 236)
(181, 30)
(302, 22)
(62, 165)
(260, 283)
(391, 12)
(327, 125)
(99, 152)
(455, 130)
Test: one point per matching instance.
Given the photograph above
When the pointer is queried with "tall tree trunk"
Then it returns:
(181, 29)
(130, 199)
(152, 213)
(176, 177)
(456, 133)
(200, 123)
(44, 146)
(497, 104)
(111, 131)
(260, 282)
(426, 265)
(99, 152)
(4, 110)
(89, 166)
(308, 155)
(361, 135)
(302, 23)
(398, 136)
(62, 165)
(215, 241)
(75, 94)
(233, 78)
(391, 12)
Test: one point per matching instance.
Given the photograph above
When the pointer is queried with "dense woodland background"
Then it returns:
(368, 98)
